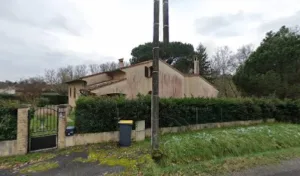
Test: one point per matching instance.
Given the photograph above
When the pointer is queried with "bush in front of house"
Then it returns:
(53, 99)
(98, 114)
(8, 120)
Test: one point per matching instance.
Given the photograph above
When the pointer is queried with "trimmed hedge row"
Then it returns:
(8, 120)
(56, 99)
(45, 99)
(95, 114)
(4, 96)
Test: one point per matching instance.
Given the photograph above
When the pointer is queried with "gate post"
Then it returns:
(22, 131)
(62, 121)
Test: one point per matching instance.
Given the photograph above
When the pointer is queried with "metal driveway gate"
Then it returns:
(43, 128)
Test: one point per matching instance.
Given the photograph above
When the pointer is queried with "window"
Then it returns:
(151, 71)
(146, 72)
(74, 92)
(70, 92)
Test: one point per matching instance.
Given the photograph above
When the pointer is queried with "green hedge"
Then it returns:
(95, 114)
(55, 99)
(4, 96)
(8, 120)
(45, 99)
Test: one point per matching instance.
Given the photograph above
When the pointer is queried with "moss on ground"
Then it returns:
(39, 167)
(132, 158)
(16, 161)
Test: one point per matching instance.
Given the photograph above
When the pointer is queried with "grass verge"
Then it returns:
(205, 152)
(219, 143)
(39, 167)
(226, 165)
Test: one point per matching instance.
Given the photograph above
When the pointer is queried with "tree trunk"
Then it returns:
(155, 81)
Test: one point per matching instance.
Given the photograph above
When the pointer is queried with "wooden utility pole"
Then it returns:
(166, 21)
(155, 81)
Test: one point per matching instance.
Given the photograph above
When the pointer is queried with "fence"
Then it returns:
(189, 118)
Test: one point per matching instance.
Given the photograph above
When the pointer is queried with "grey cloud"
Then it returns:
(44, 14)
(290, 21)
(27, 43)
(224, 25)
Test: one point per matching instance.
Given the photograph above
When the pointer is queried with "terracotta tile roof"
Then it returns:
(103, 83)
(117, 69)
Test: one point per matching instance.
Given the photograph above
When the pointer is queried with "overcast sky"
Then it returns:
(40, 34)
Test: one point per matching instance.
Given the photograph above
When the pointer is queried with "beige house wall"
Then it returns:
(171, 82)
(71, 88)
(119, 75)
(119, 87)
(96, 78)
(136, 81)
(198, 87)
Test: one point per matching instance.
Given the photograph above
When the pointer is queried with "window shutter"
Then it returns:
(151, 71)
(74, 92)
(146, 72)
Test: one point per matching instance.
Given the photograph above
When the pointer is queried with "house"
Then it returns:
(8, 90)
(137, 79)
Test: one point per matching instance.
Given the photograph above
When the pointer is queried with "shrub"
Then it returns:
(55, 99)
(98, 114)
(8, 120)
(42, 102)
(4, 96)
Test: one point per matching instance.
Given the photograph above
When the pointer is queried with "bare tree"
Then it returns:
(108, 66)
(243, 53)
(222, 67)
(94, 68)
(65, 74)
(221, 61)
(80, 71)
(32, 89)
(51, 77)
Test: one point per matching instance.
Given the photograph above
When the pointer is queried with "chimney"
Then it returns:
(121, 63)
(196, 66)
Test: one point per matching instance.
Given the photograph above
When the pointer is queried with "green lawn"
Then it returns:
(71, 119)
(205, 152)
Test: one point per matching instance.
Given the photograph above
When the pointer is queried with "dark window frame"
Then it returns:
(151, 71)
(146, 72)
(74, 92)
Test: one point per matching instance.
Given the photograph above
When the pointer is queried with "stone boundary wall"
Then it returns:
(140, 133)
(20, 145)
(8, 148)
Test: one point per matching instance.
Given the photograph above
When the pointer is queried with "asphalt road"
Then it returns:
(67, 167)
(286, 168)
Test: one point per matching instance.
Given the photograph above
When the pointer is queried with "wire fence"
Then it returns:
(184, 116)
